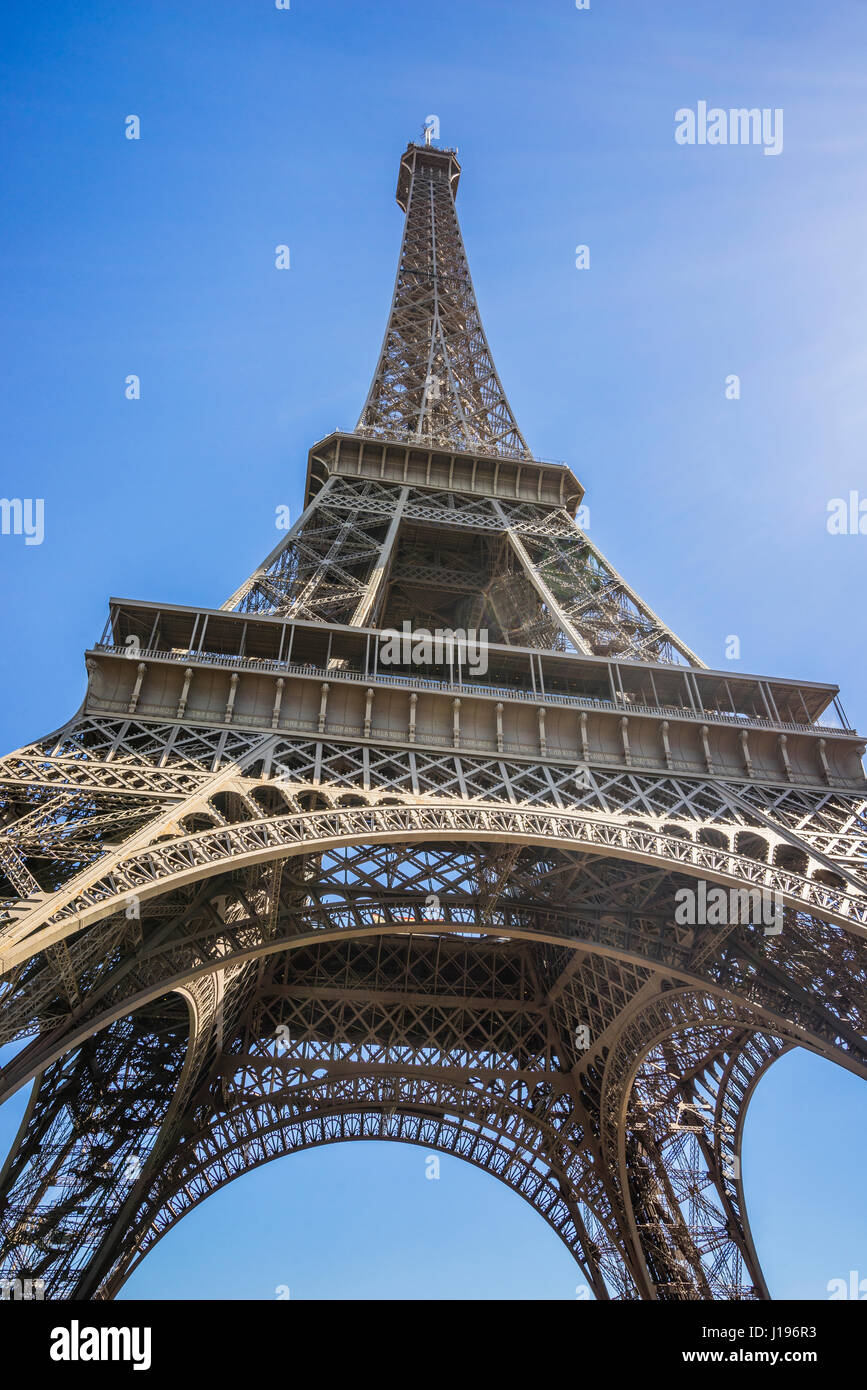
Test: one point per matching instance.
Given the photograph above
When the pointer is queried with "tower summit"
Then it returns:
(417, 838)
(435, 381)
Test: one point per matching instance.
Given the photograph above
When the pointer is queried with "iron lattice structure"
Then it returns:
(265, 891)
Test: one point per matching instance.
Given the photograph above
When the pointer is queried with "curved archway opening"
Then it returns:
(358, 1220)
(803, 1177)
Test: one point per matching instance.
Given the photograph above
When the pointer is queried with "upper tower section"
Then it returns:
(435, 383)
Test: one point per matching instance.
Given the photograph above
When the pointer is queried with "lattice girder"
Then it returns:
(331, 564)
(672, 1124)
(258, 896)
(342, 1012)
(436, 381)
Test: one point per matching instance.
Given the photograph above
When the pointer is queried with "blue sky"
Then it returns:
(156, 257)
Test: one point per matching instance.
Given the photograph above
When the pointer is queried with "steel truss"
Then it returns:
(547, 586)
(223, 940)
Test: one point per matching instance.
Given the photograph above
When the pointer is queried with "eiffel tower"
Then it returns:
(268, 889)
